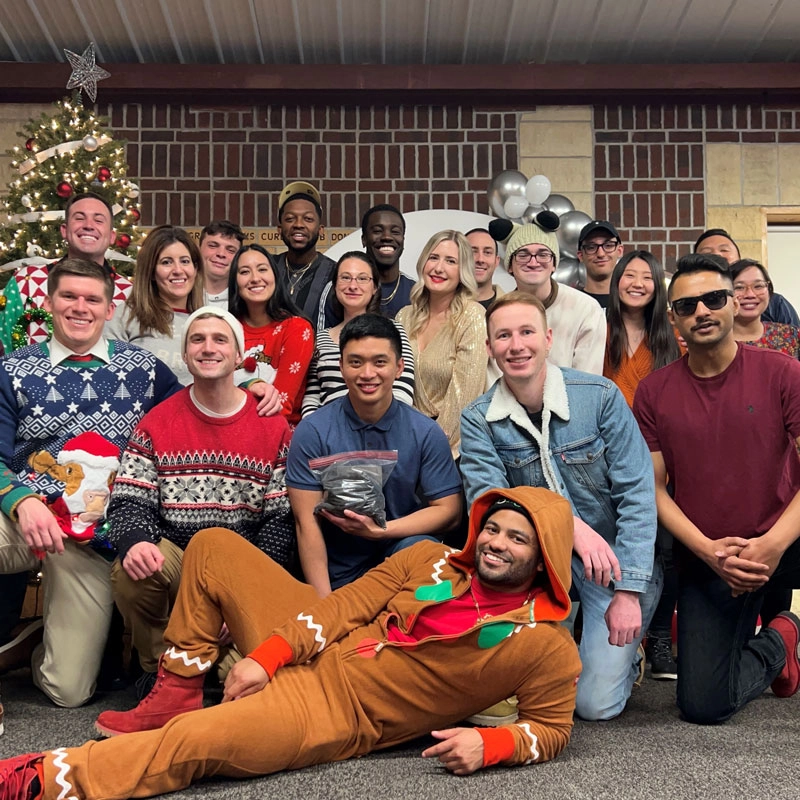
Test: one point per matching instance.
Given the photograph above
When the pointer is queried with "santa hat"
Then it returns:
(540, 231)
(91, 449)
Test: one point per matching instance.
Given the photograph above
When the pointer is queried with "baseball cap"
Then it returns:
(299, 188)
(597, 225)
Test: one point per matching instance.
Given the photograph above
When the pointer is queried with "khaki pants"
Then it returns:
(305, 715)
(145, 605)
(77, 612)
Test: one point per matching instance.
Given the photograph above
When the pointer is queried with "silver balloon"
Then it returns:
(571, 225)
(570, 272)
(559, 204)
(504, 185)
(530, 213)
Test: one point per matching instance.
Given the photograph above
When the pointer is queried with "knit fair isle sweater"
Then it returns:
(184, 471)
(44, 408)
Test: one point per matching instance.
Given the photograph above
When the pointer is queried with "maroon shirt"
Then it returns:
(727, 441)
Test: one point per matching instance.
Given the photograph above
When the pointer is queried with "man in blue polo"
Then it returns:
(423, 491)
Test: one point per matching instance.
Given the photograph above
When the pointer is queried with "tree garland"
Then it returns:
(19, 333)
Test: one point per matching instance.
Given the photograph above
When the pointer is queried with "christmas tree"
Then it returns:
(67, 152)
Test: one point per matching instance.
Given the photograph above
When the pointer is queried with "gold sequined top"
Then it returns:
(451, 370)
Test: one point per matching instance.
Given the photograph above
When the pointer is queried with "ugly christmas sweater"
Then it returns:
(63, 427)
(184, 471)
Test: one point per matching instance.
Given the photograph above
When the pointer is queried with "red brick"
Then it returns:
(689, 185)
(348, 137)
(698, 210)
(379, 162)
(157, 136)
(351, 216)
(423, 162)
(117, 116)
(302, 136)
(697, 161)
(682, 117)
(648, 136)
(642, 155)
(203, 160)
(722, 136)
(614, 207)
(682, 154)
(146, 115)
(495, 121)
(614, 162)
(642, 209)
(160, 113)
(615, 136)
(264, 211)
(454, 161)
(393, 170)
(668, 117)
(365, 119)
(612, 186)
(685, 136)
(157, 185)
(656, 209)
(350, 118)
(336, 160)
(789, 136)
(219, 206)
(375, 136)
(648, 186)
(447, 136)
(292, 164)
(759, 136)
(684, 210)
(670, 210)
(364, 162)
(409, 162)
(626, 118)
(247, 155)
(628, 166)
(481, 120)
(628, 217)
(160, 215)
(228, 135)
(600, 206)
(393, 118)
(411, 136)
(176, 209)
(600, 166)
(320, 162)
(191, 136)
(437, 117)
(188, 159)
(306, 160)
(640, 117)
(423, 117)
(188, 185)
(219, 159)
(230, 185)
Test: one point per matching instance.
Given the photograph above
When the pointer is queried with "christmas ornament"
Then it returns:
(123, 240)
(19, 333)
(3, 302)
(103, 174)
(134, 212)
(26, 200)
(29, 144)
(85, 72)
(64, 190)
(133, 192)
(90, 143)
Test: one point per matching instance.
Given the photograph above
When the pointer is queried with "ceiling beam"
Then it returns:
(502, 85)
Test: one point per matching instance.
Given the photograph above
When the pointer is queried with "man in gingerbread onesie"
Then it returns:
(402, 651)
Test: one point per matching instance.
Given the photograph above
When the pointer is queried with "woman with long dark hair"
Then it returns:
(167, 287)
(279, 341)
(355, 282)
(640, 338)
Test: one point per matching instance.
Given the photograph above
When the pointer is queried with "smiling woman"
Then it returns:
(167, 287)
(279, 341)
(447, 332)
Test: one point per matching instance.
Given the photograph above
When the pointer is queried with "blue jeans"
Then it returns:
(608, 671)
(722, 663)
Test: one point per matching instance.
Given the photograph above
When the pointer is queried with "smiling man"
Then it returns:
(383, 234)
(412, 648)
(578, 322)
(599, 249)
(66, 411)
(723, 423)
(423, 491)
(219, 243)
(88, 230)
(202, 459)
(304, 271)
(573, 433)
(486, 260)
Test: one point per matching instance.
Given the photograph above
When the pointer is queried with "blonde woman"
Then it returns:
(167, 288)
(446, 328)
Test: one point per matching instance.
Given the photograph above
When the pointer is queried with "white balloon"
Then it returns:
(515, 206)
(537, 190)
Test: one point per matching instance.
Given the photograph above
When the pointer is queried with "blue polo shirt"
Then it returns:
(425, 471)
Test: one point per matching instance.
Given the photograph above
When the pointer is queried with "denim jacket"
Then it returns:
(597, 459)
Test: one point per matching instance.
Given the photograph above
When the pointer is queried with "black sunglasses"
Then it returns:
(713, 301)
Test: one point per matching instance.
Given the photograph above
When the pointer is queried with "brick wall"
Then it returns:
(651, 170)
(196, 164)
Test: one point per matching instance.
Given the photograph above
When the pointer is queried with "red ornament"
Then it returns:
(30, 143)
(249, 364)
(64, 190)
(135, 214)
(123, 240)
(103, 174)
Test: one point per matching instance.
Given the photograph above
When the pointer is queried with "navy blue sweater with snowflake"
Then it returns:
(63, 427)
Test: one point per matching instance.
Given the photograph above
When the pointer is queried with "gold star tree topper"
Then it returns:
(85, 72)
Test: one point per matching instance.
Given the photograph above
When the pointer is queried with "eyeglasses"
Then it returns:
(713, 301)
(758, 287)
(523, 257)
(609, 247)
(361, 280)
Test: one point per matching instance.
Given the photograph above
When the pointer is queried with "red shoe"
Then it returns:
(171, 695)
(19, 778)
(787, 626)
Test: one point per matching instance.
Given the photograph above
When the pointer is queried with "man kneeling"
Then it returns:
(403, 650)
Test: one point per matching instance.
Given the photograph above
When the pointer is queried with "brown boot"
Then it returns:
(171, 695)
